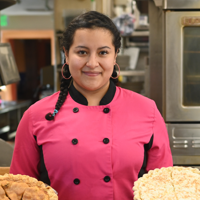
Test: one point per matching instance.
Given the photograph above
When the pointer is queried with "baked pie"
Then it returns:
(172, 183)
(22, 187)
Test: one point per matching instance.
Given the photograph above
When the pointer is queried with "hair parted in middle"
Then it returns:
(88, 20)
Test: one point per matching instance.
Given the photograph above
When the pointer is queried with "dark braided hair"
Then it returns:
(89, 20)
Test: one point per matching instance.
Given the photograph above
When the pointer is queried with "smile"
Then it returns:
(92, 73)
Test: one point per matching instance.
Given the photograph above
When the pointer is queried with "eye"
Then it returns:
(82, 52)
(103, 52)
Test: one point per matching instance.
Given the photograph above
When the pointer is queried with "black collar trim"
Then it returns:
(79, 98)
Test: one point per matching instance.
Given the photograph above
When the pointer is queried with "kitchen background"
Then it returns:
(158, 59)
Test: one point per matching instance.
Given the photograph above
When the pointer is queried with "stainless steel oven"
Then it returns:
(182, 66)
(179, 87)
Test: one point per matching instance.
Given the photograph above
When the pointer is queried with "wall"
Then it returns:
(30, 22)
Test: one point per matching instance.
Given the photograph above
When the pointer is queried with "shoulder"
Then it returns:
(52, 99)
(44, 106)
(134, 104)
(131, 97)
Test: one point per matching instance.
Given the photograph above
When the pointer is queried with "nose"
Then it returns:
(92, 61)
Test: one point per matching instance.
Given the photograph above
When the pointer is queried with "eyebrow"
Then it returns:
(88, 48)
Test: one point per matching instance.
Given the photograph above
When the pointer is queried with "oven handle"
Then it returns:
(180, 146)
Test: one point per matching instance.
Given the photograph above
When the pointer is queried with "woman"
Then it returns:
(100, 137)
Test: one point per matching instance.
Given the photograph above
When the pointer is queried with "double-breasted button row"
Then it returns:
(105, 141)
(105, 110)
(106, 179)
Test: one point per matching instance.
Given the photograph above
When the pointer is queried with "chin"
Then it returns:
(92, 88)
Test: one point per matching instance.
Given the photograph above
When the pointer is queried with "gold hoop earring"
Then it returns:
(62, 72)
(118, 72)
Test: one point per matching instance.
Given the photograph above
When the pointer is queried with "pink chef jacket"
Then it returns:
(92, 152)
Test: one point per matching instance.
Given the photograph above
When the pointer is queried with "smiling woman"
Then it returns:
(91, 59)
(100, 137)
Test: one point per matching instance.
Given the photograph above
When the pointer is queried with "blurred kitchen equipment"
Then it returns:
(174, 45)
(8, 68)
(118, 10)
(47, 76)
(136, 13)
(70, 14)
(6, 152)
(120, 2)
(123, 61)
(133, 53)
(124, 24)
(46, 81)
(46, 86)
(136, 86)
(92, 5)
(6, 3)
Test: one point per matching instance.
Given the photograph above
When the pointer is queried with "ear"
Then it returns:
(66, 55)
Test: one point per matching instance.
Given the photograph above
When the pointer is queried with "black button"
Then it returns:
(74, 141)
(75, 110)
(106, 110)
(76, 181)
(106, 179)
(106, 140)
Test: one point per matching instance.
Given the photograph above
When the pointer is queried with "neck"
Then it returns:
(93, 96)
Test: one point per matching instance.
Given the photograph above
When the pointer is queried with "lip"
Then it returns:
(91, 73)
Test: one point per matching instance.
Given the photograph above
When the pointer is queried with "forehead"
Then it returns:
(93, 35)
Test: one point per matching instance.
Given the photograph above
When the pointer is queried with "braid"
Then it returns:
(62, 96)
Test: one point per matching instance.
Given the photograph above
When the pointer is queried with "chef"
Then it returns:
(92, 139)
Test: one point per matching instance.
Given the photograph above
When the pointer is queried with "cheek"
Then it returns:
(109, 65)
(76, 64)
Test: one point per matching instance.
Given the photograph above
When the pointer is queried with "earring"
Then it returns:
(62, 72)
(118, 72)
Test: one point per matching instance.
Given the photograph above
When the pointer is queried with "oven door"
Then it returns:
(182, 66)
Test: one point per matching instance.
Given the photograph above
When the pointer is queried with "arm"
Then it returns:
(159, 155)
(26, 152)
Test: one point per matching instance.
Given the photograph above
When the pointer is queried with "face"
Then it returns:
(91, 59)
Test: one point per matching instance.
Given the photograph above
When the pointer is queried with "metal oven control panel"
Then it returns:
(185, 143)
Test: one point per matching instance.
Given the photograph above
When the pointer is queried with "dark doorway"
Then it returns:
(31, 55)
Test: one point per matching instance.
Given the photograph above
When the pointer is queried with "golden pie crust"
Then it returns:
(171, 183)
(22, 187)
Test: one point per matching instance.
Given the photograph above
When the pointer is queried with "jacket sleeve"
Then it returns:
(26, 155)
(159, 155)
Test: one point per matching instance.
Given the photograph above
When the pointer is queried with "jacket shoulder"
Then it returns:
(132, 97)
(47, 100)
(44, 105)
